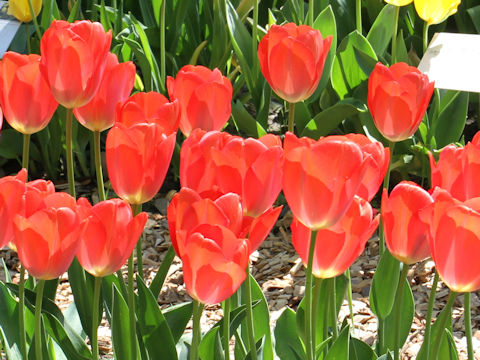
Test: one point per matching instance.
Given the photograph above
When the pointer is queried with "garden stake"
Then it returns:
(398, 310)
(468, 325)
(310, 337)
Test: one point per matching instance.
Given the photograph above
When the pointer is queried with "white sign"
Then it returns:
(8, 28)
(453, 61)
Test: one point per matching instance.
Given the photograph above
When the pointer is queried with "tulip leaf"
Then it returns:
(74, 12)
(340, 349)
(381, 32)
(210, 347)
(360, 350)
(402, 52)
(159, 279)
(177, 317)
(345, 16)
(474, 13)
(153, 325)
(245, 122)
(120, 325)
(347, 73)
(329, 119)
(287, 342)
(384, 285)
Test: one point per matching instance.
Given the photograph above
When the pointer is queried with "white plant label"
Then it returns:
(8, 28)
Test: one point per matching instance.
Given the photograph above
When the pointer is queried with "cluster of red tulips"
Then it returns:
(225, 207)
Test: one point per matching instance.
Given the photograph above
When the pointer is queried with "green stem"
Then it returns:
(333, 307)
(359, 15)
(316, 299)
(252, 348)
(301, 10)
(34, 19)
(442, 319)
(394, 37)
(21, 312)
(310, 13)
(96, 303)
(27, 34)
(197, 330)
(309, 336)
(398, 311)
(428, 319)
(38, 320)
(93, 10)
(468, 325)
(226, 328)
(386, 182)
(291, 116)
(163, 71)
(98, 165)
(350, 298)
(136, 209)
(131, 309)
(26, 151)
(425, 36)
(68, 140)
(254, 34)
(381, 336)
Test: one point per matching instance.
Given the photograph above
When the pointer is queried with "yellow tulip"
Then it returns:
(21, 10)
(398, 2)
(436, 11)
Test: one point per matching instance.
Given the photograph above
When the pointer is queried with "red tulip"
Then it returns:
(321, 178)
(249, 167)
(115, 87)
(12, 189)
(140, 145)
(292, 59)
(1, 118)
(73, 60)
(406, 231)
(204, 95)
(47, 240)
(398, 97)
(337, 247)
(109, 237)
(25, 96)
(448, 173)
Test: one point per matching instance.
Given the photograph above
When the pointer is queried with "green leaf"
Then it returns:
(120, 325)
(381, 32)
(360, 350)
(287, 342)
(210, 347)
(452, 353)
(245, 122)
(177, 317)
(402, 52)
(153, 325)
(474, 13)
(346, 73)
(384, 285)
(74, 12)
(159, 279)
(340, 348)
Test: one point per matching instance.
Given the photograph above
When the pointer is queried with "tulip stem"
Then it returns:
(34, 19)
(394, 37)
(425, 36)
(68, 140)
(309, 336)
(254, 35)
(350, 298)
(136, 209)
(96, 303)
(21, 312)
(316, 298)
(442, 322)
(428, 319)
(398, 311)
(98, 166)
(359, 15)
(163, 70)
(248, 303)
(301, 10)
(310, 13)
(468, 325)
(27, 34)
(38, 320)
(333, 308)
(226, 328)
(26, 150)
(291, 116)
(131, 309)
(386, 183)
(197, 330)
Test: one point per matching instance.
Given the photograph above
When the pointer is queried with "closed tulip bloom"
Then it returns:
(292, 59)
(110, 234)
(406, 232)
(115, 87)
(337, 247)
(251, 168)
(448, 172)
(21, 10)
(321, 178)
(139, 148)
(47, 240)
(398, 97)
(25, 96)
(73, 60)
(398, 2)
(436, 11)
(204, 96)
(471, 167)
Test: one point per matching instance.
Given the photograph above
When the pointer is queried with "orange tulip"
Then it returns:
(110, 234)
(12, 189)
(25, 96)
(204, 95)
(249, 167)
(73, 60)
(47, 240)
(337, 247)
(406, 231)
(398, 97)
(140, 145)
(448, 173)
(292, 59)
(115, 87)
(321, 178)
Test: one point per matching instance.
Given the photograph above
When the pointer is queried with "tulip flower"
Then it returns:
(406, 232)
(21, 10)
(321, 178)
(140, 145)
(436, 11)
(448, 173)
(47, 240)
(73, 60)
(338, 246)
(204, 96)
(249, 167)
(292, 59)
(115, 87)
(25, 96)
(398, 97)
(398, 2)
(110, 234)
